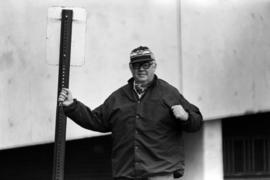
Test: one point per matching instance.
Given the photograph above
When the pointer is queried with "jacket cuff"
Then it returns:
(193, 123)
(71, 107)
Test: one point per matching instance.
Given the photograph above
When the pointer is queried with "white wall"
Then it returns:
(226, 71)
(212, 150)
(203, 150)
(225, 54)
(114, 28)
(194, 156)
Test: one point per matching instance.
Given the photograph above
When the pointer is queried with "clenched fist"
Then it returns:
(65, 97)
(179, 112)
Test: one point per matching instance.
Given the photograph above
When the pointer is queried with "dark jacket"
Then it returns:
(147, 138)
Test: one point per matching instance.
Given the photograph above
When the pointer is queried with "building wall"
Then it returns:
(114, 27)
(86, 159)
(246, 147)
(224, 70)
(194, 156)
(249, 178)
(203, 152)
(225, 54)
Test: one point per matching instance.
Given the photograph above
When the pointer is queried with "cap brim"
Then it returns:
(140, 60)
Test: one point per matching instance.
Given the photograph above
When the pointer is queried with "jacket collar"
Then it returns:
(129, 88)
(153, 83)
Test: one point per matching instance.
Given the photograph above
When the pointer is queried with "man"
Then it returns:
(146, 117)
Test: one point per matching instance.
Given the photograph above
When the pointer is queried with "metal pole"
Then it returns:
(63, 82)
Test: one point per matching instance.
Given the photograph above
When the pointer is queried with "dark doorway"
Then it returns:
(86, 159)
(246, 146)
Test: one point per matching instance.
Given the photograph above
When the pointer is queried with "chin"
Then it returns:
(143, 81)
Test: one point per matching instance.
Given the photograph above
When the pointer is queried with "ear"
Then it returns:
(155, 65)
(130, 67)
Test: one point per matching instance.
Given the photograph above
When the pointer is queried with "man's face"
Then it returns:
(143, 72)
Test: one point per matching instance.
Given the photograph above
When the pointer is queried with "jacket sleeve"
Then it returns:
(195, 119)
(95, 120)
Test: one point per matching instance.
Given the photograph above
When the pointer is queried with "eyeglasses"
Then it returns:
(145, 65)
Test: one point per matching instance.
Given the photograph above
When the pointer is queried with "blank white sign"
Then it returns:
(54, 33)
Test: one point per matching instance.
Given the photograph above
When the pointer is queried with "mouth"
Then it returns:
(141, 74)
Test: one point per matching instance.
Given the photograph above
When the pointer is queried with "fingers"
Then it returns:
(177, 109)
(64, 94)
(65, 91)
(65, 98)
(179, 112)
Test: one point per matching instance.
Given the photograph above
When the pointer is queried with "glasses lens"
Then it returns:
(145, 65)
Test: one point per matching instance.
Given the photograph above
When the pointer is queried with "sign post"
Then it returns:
(70, 51)
(63, 82)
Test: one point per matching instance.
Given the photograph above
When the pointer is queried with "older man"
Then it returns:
(146, 117)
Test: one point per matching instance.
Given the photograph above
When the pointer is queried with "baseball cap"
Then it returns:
(141, 54)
